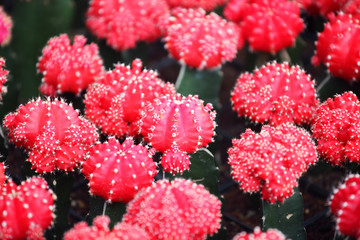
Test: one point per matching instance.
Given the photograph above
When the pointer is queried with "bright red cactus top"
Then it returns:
(199, 40)
(26, 210)
(114, 102)
(337, 52)
(276, 93)
(268, 25)
(124, 23)
(336, 128)
(270, 234)
(3, 76)
(68, 68)
(100, 230)
(116, 172)
(272, 160)
(207, 5)
(53, 132)
(174, 124)
(175, 210)
(6, 24)
(345, 205)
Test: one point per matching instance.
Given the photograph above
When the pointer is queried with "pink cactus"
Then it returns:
(272, 160)
(345, 205)
(336, 128)
(270, 234)
(26, 210)
(175, 124)
(124, 23)
(268, 25)
(53, 132)
(68, 68)
(115, 101)
(100, 230)
(272, 94)
(211, 41)
(179, 209)
(6, 25)
(116, 172)
(335, 52)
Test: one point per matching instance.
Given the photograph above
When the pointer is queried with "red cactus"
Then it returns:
(116, 172)
(53, 133)
(179, 209)
(177, 124)
(100, 230)
(267, 25)
(270, 234)
(272, 160)
(334, 51)
(272, 94)
(6, 24)
(124, 23)
(175, 161)
(207, 5)
(336, 128)
(68, 68)
(345, 205)
(117, 97)
(26, 210)
(211, 41)
(3, 76)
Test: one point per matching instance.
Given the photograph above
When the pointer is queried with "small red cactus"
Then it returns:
(116, 172)
(268, 25)
(336, 128)
(345, 205)
(175, 210)
(272, 160)
(211, 41)
(53, 132)
(124, 23)
(272, 94)
(115, 101)
(6, 24)
(26, 210)
(177, 124)
(68, 68)
(100, 230)
(175, 161)
(337, 52)
(270, 234)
